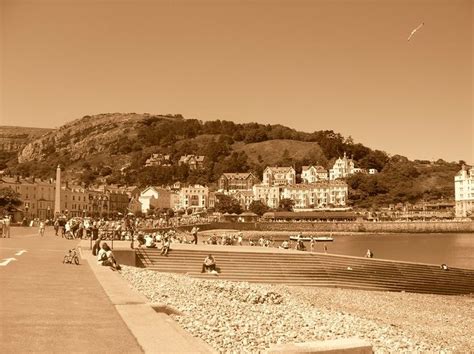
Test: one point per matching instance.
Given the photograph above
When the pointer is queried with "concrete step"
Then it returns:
(313, 269)
(317, 278)
(291, 268)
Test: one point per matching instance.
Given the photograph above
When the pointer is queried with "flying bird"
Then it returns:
(416, 29)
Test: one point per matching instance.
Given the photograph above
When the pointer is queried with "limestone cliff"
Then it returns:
(14, 139)
(85, 136)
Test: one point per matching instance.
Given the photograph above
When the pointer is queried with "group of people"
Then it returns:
(150, 242)
(87, 227)
(105, 256)
(225, 239)
(300, 246)
(262, 242)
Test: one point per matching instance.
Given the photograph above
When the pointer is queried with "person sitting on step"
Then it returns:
(149, 241)
(140, 239)
(300, 244)
(166, 246)
(106, 258)
(209, 264)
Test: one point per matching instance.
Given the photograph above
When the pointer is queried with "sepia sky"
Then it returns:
(310, 65)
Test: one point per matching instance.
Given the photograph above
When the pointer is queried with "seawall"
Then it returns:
(369, 227)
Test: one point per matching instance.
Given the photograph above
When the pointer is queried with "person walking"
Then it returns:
(6, 226)
(194, 232)
(311, 244)
(240, 238)
(41, 228)
(56, 227)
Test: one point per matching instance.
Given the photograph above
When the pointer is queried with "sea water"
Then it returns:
(453, 249)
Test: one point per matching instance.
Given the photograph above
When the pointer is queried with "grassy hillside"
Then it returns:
(274, 152)
(113, 148)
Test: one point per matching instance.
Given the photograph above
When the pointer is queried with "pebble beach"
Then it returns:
(243, 317)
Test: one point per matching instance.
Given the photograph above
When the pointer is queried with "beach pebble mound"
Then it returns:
(243, 317)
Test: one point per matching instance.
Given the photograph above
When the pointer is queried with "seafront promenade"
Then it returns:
(51, 307)
(48, 306)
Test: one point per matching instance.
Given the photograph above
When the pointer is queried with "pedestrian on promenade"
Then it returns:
(96, 248)
(56, 227)
(41, 228)
(194, 232)
(129, 227)
(325, 248)
(312, 244)
(62, 226)
(369, 254)
(239, 238)
(6, 226)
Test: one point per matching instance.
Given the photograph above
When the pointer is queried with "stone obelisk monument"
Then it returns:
(57, 195)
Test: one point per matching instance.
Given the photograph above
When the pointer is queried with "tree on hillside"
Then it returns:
(9, 200)
(286, 204)
(5, 157)
(286, 159)
(236, 162)
(88, 177)
(258, 207)
(226, 204)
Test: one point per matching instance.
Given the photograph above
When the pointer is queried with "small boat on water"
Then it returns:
(315, 238)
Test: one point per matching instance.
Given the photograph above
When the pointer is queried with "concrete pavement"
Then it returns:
(150, 324)
(47, 306)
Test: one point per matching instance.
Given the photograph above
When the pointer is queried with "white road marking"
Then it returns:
(6, 261)
(20, 252)
(38, 249)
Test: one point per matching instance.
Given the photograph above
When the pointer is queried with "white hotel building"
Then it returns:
(464, 191)
(317, 195)
(312, 195)
(196, 197)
